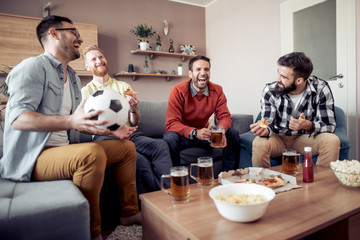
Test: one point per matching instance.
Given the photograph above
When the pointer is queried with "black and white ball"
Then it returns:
(114, 105)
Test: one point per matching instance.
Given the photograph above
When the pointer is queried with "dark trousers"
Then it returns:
(178, 143)
(153, 160)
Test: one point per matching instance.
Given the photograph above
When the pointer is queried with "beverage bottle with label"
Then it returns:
(308, 166)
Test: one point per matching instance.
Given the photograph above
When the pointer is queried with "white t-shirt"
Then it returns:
(295, 104)
(61, 138)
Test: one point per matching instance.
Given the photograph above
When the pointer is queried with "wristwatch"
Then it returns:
(195, 133)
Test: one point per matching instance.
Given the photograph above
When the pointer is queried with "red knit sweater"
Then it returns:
(185, 112)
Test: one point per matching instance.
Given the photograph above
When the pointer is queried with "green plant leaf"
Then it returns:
(143, 31)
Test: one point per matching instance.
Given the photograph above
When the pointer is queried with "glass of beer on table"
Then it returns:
(179, 184)
(290, 160)
(205, 176)
(216, 137)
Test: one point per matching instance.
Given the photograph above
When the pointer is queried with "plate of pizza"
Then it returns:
(278, 181)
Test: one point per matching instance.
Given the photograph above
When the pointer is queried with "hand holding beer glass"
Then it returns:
(290, 160)
(217, 137)
(179, 184)
(205, 176)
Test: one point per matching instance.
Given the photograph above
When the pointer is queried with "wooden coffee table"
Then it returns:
(320, 209)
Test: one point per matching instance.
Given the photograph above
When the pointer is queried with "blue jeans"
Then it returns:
(178, 143)
(153, 160)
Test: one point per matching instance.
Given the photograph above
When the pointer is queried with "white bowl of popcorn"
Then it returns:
(347, 172)
(241, 202)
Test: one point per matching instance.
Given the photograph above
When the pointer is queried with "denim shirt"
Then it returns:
(36, 84)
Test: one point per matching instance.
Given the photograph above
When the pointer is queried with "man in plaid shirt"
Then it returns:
(299, 109)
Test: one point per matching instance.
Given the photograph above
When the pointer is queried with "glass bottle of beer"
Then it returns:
(308, 166)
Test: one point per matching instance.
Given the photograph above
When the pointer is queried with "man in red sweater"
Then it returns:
(191, 104)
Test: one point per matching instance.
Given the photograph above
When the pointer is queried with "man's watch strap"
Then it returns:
(193, 134)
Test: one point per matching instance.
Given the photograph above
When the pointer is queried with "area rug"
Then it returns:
(133, 232)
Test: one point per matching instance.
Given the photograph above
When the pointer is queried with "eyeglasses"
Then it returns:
(74, 30)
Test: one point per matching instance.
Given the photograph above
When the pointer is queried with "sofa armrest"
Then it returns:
(340, 129)
(342, 135)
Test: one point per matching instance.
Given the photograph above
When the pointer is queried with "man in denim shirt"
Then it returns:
(44, 116)
(299, 109)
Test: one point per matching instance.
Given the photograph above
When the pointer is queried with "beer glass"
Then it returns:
(290, 160)
(179, 184)
(205, 176)
(216, 137)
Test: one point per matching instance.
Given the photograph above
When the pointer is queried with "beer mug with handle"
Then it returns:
(216, 137)
(179, 184)
(205, 176)
(290, 161)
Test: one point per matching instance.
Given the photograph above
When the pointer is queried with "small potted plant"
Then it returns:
(158, 44)
(143, 32)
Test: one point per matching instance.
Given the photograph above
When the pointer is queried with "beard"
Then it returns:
(280, 88)
(100, 73)
(71, 52)
(75, 54)
(201, 85)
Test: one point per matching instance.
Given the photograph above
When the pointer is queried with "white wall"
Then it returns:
(243, 43)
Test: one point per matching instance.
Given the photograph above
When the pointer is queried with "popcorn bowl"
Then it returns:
(347, 172)
(243, 212)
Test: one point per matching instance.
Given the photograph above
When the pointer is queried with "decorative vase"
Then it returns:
(179, 69)
(144, 46)
(158, 48)
(171, 48)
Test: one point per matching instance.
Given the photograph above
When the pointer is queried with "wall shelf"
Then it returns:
(135, 75)
(152, 54)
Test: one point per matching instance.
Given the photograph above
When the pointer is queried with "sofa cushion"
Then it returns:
(43, 210)
(153, 118)
(241, 122)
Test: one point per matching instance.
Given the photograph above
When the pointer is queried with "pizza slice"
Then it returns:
(128, 92)
(274, 182)
(263, 123)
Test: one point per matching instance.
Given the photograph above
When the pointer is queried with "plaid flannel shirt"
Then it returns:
(317, 103)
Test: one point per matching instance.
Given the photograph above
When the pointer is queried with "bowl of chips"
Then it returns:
(241, 202)
(347, 172)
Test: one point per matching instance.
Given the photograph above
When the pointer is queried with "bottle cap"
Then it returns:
(307, 149)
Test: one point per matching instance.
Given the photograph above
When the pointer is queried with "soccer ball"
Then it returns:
(114, 105)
